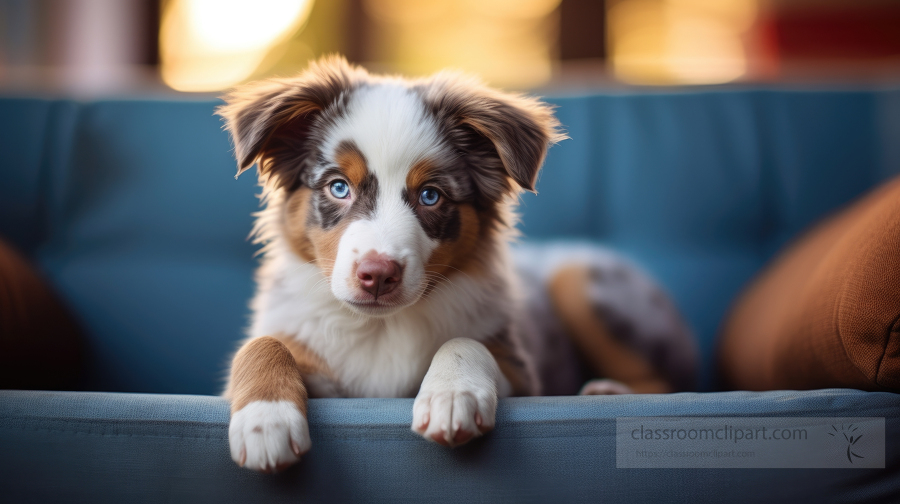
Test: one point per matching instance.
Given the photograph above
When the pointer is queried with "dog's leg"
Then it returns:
(317, 376)
(268, 429)
(609, 357)
(515, 365)
(458, 397)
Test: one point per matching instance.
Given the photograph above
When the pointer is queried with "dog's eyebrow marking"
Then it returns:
(420, 173)
(450, 179)
(352, 162)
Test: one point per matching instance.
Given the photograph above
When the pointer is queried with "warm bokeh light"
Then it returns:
(680, 41)
(508, 42)
(208, 45)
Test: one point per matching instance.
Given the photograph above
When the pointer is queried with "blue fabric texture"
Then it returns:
(130, 209)
(103, 447)
(703, 188)
(147, 241)
(24, 125)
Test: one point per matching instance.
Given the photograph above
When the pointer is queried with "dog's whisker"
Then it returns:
(322, 284)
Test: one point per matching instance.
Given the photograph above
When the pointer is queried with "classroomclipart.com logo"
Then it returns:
(849, 433)
(739, 442)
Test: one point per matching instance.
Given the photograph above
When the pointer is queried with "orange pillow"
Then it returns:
(41, 346)
(826, 312)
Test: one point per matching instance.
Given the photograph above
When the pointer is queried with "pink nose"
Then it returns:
(378, 274)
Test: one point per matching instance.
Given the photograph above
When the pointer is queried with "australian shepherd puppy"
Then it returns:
(387, 271)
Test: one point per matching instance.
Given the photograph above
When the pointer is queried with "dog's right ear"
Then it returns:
(270, 121)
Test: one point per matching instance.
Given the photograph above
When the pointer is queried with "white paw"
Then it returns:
(452, 414)
(268, 436)
(605, 387)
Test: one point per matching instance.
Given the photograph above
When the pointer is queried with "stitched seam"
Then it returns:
(836, 323)
(895, 326)
(893, 331)
(115, 421)
(412, 437)
(107, 434)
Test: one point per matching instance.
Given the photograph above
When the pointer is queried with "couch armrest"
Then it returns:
(68, 446)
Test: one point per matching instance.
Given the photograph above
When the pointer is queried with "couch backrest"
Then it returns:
(25, 126)
(143, 230)
(131, 210)
(703, 188)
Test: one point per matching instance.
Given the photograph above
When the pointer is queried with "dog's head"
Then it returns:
(388, 185)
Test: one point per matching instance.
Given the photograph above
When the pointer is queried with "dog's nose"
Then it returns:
(378, 274)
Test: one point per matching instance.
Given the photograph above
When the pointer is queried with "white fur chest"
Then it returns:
(371, 357)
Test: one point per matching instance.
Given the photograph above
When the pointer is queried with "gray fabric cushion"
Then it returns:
(105, 447)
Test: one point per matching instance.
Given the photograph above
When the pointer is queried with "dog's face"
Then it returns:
(387, 185)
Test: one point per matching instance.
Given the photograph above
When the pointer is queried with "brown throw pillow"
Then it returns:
(41, 346)
(826, 312)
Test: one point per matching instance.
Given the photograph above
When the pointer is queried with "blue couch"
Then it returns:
(129, 209)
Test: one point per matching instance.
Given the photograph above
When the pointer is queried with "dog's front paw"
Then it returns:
(452, 414)
(268, 436)
(605, 387)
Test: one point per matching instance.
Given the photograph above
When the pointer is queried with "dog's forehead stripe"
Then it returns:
(388, 130)
(420, 173)
(390, 126)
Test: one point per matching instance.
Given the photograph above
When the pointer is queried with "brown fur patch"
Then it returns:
(296, 211)
(310, 243)
(608, 357)
(265, 370)
(352, 163)
(308, 362)
(317, 375)
(325, 243)
(419, 175)
(457, 254)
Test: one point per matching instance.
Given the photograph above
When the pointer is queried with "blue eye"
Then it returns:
(340, 189)
(429, 196)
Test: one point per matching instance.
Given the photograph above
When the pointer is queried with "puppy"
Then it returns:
(386, 269)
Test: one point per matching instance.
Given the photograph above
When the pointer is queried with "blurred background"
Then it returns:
(204, 46)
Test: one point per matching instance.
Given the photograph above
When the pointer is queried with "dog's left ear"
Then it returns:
(520, 129)
(270, 121)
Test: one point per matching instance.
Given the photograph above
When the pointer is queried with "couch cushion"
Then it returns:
(100, 447)
(147, 241)
(703, 187)
(826, 312)
(24, 125)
